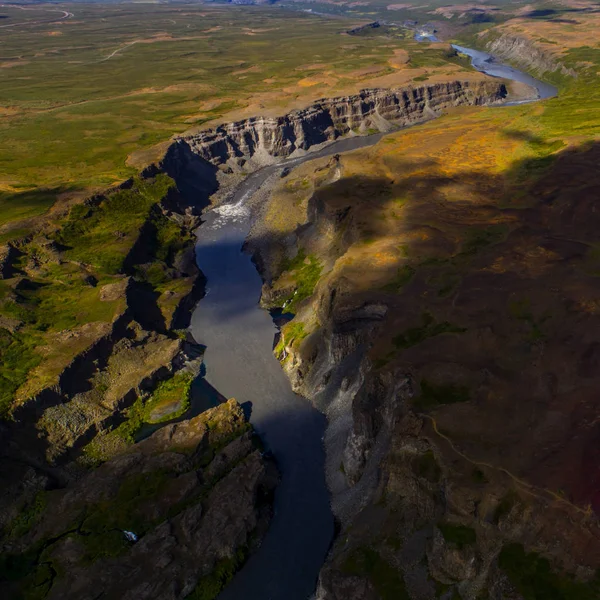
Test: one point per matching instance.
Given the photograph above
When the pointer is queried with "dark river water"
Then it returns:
(239, 361)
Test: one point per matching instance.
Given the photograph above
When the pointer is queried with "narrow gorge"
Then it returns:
(238, 334)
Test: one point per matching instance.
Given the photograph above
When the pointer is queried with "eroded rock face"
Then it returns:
(264, 140)
(526, 53)
(197, 495)
(452, 420)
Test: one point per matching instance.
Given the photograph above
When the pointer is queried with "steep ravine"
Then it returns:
(525, 53)
(238, 335)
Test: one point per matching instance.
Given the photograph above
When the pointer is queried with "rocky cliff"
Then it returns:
(260, 140)
(458, 451)
(195, 496)
(105, 365)
(527, 54)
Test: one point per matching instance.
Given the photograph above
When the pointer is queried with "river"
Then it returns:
(486, 63)
(239, 361)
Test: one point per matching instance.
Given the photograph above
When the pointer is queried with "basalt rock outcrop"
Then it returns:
(262, 140)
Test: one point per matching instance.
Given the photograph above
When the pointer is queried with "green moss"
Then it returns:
(387, 581)
(306, 271)
(17, 358)
(292, 335)
(533, 577)
(433, 395)
(133, 423)
(103, 235)
(170, 400)
(209, 586)
(458, 535)
(429, 328)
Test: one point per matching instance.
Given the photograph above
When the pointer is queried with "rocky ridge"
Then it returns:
(421, 515)
(196, 495)
(73, 477)
(258, 141)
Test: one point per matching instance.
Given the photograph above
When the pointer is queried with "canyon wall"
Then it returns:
(262, 140)
(425, 510)
(526, 54)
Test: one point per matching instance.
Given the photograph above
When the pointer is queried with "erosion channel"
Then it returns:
(239, 361)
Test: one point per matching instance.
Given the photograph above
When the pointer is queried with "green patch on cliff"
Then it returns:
(209, 586)
(291, 336)
(18, 357)
(305, 271)
(459, 535)
(104, 522)
(387, 581)
(428, 328)
(170, 400)
(534, 578)
(102, 235)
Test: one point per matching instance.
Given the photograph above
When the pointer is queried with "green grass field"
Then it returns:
(77, 97)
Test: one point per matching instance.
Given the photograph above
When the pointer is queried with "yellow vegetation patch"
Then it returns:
(310, 81)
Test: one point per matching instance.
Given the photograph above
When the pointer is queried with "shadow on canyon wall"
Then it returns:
(526, 292)
(508, 262)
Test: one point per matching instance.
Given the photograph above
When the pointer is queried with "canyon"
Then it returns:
(260, 141)
(396, 492)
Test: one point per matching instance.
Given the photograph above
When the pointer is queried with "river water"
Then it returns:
(239, 361)
(486, 63)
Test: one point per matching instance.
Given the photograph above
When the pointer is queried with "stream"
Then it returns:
(239, 362)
